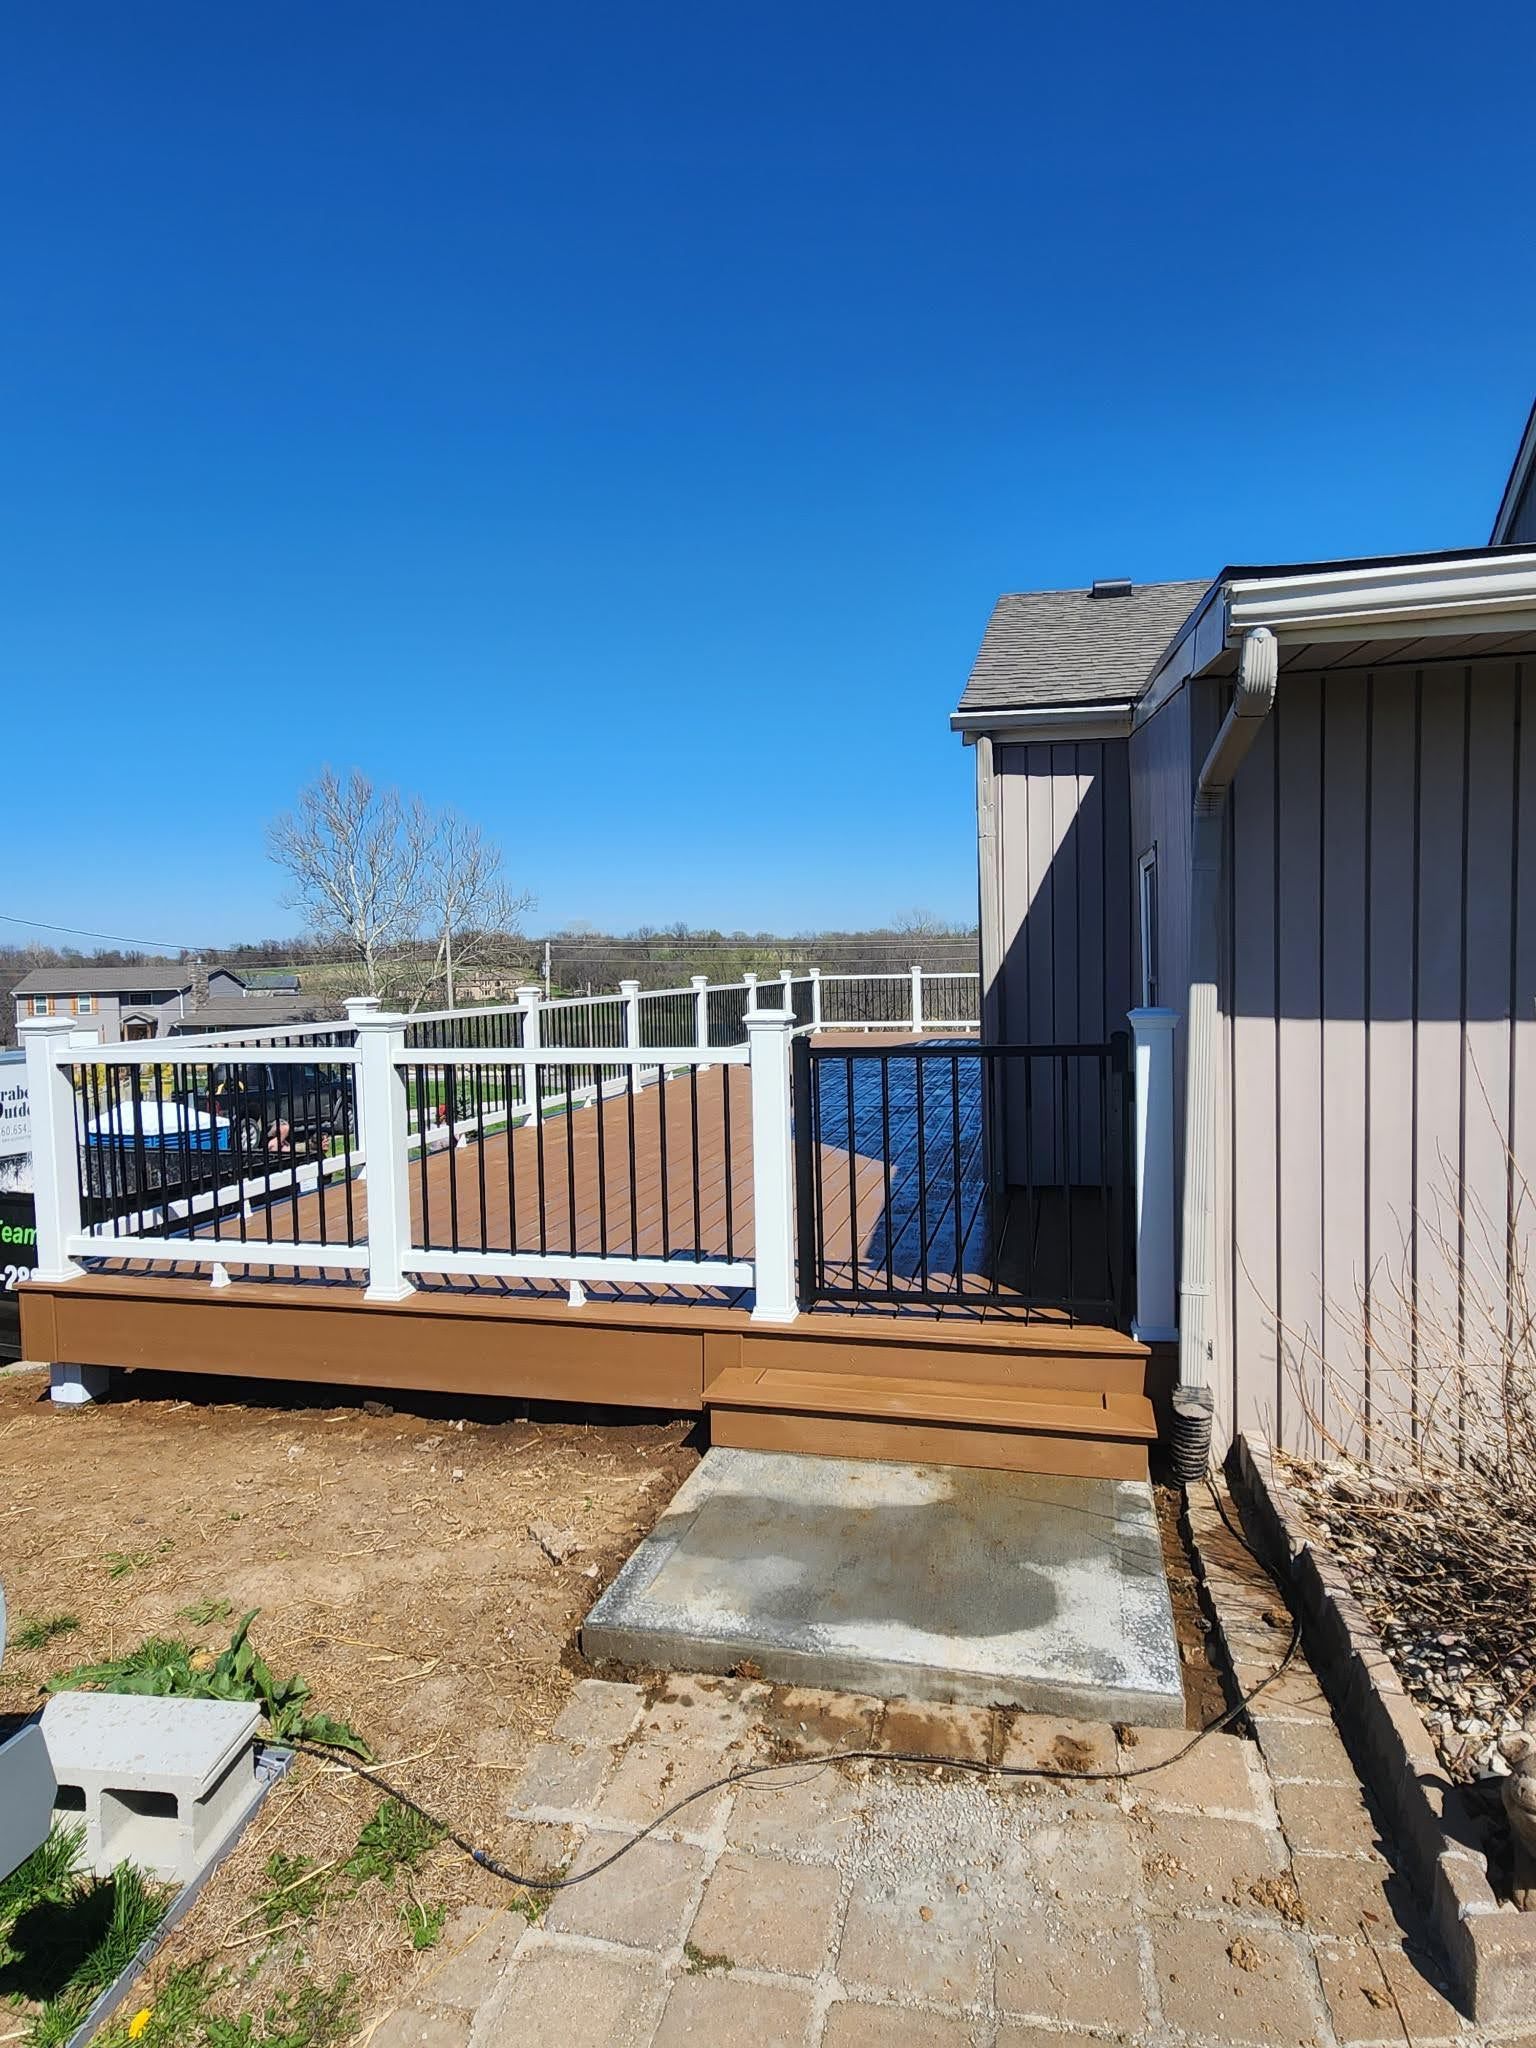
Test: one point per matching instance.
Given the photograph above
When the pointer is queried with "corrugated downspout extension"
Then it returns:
(1251, 704)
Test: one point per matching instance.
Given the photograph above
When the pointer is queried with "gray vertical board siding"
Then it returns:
(1437, 1059)
(1381, 1045)
(1391, 798)
(1299, 1297)
(1522, 527)
(1065, 968)
(1249, 1394)
(1339, 1403)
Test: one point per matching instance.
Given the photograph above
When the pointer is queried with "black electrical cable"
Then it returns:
(919, 1758)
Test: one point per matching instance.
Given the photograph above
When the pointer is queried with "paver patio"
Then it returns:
(1238, 1896)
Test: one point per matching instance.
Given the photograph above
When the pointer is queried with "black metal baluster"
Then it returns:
(698, 1211)
(730, 1163)
(478, 1079)
(448, 1087)
(538, 1127)
(853, 1188)
(429, 1242)
(570, 1158)
(666, 1185)
(922, 1179)
(954, 1117)
(634, 1193)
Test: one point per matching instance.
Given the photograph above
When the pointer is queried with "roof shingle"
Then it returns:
(1064, 647)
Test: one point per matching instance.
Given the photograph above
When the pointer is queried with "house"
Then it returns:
(156, 998)
(1294, 805)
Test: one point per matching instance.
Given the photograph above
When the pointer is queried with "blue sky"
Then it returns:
(618, 421)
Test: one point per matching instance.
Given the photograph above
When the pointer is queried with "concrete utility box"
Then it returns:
(162, 1783)
(26, 1788)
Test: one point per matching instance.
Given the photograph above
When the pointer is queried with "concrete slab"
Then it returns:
(906, 1581)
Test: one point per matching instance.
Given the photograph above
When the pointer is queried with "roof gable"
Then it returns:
(1053, 649)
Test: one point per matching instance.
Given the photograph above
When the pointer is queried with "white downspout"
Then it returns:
(1251, 704)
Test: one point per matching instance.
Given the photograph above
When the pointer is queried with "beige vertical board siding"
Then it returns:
(1064, 972)
(1437, 1066)
(1250, 1390)
(1522, 1073)
(1298, 1300)
(1344, 1131)
(1387, 1169)
(1490, 845)
(1381, 1041)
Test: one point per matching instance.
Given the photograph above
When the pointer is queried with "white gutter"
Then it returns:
(1049, 722)
(1259, 667)
(1475, 593)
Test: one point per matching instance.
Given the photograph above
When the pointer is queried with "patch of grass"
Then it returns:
(42, 1629)
(699, 1962)
(164, 1666)
(424, 1924)
(65, 1935)
(204, 1612)
(396, 1839)
(309, 2016)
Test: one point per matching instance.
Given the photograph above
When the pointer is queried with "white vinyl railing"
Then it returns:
(531, 1059)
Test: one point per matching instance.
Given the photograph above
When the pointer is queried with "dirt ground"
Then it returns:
(388, 1550)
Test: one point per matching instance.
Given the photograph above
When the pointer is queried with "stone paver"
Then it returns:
(900, 2026)
(642, 1901)
(1231, 1983)
(725, 2010)
(1070, 1967)
(1240, 1895)
(768, 1914)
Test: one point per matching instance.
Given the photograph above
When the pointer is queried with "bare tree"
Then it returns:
(468, 907)
(415, 894)
(355, 854)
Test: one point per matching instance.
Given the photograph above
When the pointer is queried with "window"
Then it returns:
(85, 1006)
(1146, 869)
(39, 1006)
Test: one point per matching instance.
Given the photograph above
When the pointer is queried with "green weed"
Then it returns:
(424, 1924)
(38, 1633)
(699, 1962)
(163, 1666)
(296, 1889)
(203, 1612)
(396, 1839)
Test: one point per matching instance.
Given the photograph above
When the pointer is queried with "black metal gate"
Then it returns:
(959, 1174)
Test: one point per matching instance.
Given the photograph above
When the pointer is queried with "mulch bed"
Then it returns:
(1447, 1575)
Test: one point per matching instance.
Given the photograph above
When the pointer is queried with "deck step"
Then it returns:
(1068, 1430)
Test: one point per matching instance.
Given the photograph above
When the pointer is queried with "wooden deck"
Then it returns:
(984, 1383)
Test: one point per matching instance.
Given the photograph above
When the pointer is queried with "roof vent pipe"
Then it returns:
(1252, 702)
(1111, 586)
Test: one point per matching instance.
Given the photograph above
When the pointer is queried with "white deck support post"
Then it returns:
(700, 983)
(773, 1167)
(55, 1145)
(815, 973)
(751, 981)
(630, 991)
(917, 998)
(381, 1091)
(529, 998)
(1156, 1273)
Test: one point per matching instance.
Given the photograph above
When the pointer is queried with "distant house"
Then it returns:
(161, 998)
(1293, 808)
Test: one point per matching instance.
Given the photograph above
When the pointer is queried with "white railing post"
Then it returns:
(55, 1145)
(529, 998)
(630, 991)
(773, 1167)
(700, 1010)
(1156, 1320)
(751, 981)
(382, 1101)
(917, 998)
(787, 976)
(815, 998)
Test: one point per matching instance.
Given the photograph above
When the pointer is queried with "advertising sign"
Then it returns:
(18, 1261)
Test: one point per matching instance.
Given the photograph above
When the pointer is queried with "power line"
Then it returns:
(113, 938)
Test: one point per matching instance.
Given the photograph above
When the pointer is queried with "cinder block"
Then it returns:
(162, 1783)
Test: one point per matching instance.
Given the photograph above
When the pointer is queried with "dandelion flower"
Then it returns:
(138, 2023)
